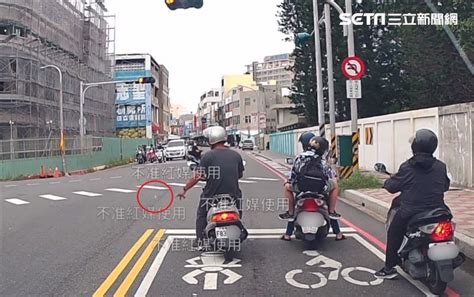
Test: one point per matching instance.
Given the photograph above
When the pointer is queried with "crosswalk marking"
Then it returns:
(120, 190)
(52, 197)
(89, 194)
(17, 201)
(263, 178)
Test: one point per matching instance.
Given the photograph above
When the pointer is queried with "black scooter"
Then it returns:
(428, 252)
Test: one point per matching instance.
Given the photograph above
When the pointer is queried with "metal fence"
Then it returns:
(47, 147)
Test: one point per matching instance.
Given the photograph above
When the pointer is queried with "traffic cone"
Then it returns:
(42, 172)
(50, 172)
(57, 173)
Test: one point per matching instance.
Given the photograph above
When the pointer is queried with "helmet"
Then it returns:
(425, 141)
(305, 138)
(215, 134)
(319, 145)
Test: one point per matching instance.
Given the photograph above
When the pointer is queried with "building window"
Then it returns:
(236, 104)
(248, 119)
(247, 101)
(216, 94)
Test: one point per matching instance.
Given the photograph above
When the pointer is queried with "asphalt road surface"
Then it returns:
(88, 236)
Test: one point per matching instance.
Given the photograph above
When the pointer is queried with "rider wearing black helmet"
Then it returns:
(313, 146)
(422, 181)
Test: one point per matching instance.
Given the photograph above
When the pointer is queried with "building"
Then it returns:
(276, 67)
(143, 109)
(177, 110)
(208, 106)
(286, 119)
(230, 81)
(77, 38)
(186, 124)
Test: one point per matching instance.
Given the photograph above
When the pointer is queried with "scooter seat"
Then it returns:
(429, 217)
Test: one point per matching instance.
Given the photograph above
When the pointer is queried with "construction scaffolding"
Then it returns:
(77, 37)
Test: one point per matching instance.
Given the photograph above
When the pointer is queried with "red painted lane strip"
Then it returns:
(449, 292)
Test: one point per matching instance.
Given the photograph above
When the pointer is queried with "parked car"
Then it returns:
(247, 144)
(176, 149)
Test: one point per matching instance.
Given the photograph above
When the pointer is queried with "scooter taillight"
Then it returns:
(225, 217)
(444, 231)
(310, 205)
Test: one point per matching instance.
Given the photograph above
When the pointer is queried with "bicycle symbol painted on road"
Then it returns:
(328, 263)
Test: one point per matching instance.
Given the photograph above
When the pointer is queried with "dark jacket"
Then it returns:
(422, 181)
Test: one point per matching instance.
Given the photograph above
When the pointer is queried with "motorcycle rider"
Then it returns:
(312, 145)
(422, 181)
(195, 151)
(222, 168)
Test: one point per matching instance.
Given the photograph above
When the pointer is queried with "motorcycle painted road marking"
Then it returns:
(88, 194)
(290, 279)
(211, 265)
(17, 201)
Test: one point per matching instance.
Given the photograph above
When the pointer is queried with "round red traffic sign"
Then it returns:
(353, 67)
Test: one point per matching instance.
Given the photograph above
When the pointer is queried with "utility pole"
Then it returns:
(319, 74)
(12, 154)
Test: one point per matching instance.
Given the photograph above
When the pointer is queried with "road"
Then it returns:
(87, 235)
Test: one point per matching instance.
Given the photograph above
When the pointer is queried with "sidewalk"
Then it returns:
(377, 201)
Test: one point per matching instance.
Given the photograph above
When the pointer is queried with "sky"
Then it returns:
(198, 46)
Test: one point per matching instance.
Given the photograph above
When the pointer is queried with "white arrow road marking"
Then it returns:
(210, 281)
(263, 178)
(190, 278)
(120, 190)
(17, 201)
(52, 197)
(88, 194)
(232, 277)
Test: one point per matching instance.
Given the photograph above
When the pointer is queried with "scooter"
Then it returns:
(428, 252)
(224, 231)
(311, 217)
(140, 157)
(152, 156)
(160, 155)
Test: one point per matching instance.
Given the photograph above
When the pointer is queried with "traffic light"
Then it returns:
(146, 80)
(184, 4)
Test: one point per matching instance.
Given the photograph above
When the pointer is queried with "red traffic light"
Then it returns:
(146, 80)
(184, 4)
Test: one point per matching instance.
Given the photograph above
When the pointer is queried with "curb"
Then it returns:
(269, 159)
(373, 206)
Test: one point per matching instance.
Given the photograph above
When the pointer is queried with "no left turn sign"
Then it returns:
(353, 67)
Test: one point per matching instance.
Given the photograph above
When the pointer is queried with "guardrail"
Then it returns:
(47, 147)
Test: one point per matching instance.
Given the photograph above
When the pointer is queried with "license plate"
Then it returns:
(312, 230)
(221, 232)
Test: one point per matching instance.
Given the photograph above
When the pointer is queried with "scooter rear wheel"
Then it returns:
(434, 282)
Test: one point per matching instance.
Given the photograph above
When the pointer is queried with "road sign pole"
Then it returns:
(332, 105)
(319, 74)
(354, 114)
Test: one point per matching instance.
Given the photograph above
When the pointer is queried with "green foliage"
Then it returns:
(408, 67)
(360, 181)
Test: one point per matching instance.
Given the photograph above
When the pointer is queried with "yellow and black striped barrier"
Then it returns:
(322, 131)
(333, 146)
(355, 151)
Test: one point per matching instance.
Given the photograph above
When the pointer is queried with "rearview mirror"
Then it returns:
(244, 162)
(380, 167)
(289, 161)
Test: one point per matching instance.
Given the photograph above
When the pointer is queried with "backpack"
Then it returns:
(311, 177)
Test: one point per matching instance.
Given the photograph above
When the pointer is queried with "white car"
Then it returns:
(175, 149)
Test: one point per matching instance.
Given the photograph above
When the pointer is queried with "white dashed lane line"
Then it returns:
(88, 194)
(115, 177)
(120, 190)
(33, 184)
(75, 180)
(17, 201)
(9, 186)
(95, 179)
(52, 197)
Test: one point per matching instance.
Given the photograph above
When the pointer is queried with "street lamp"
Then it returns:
(11, 138)
(61, 114)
